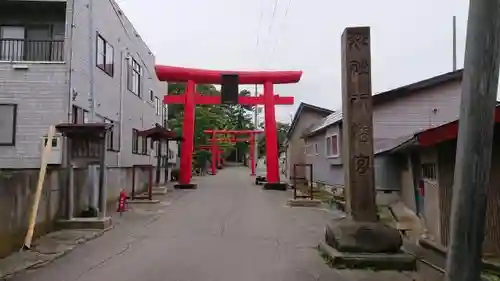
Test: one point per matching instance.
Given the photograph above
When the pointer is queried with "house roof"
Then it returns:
(433, 136)
(306, 106)
(390, 95)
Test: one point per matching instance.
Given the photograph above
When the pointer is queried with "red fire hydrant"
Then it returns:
(122, 201)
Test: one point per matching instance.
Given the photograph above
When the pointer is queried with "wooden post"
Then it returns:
(39, 186)
(475, 137)
(357, 125)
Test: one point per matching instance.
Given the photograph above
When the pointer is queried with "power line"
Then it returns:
(273, 51)
(276, 2)
(260, 26)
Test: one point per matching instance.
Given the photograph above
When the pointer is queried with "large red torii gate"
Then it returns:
(190, 98)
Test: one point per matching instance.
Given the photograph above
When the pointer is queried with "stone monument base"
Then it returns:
(143, 201)
(276, 186)
(85, 223)
(365, 244)
(304, 202)
(160, 190)
(186, 186)
(383, 261)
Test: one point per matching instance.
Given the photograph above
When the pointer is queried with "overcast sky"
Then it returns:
(411, 40)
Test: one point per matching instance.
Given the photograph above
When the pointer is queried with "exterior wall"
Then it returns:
(416, 112)
(39, 90)
(39, 94)
(295, 151)
(407, 187)
(112, 98)
(18, 189)
(326, 170)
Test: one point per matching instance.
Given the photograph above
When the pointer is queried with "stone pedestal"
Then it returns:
(186, 186)
(365, 244)
(85, 223)
(143, 201)
(276, 186)
(160, 190)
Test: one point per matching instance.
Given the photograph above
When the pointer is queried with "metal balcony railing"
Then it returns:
(31, 50)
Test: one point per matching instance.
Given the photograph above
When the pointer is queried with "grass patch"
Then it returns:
(318, 193)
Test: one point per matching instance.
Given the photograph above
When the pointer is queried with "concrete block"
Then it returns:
(85, 223)
(143, 201)
(379, 261)
(304, 202)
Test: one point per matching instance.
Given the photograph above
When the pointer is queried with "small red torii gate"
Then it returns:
(251, 141)
(190, 99)
(217, 153)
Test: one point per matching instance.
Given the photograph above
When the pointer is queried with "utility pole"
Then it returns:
(454, 43)
(475, 137)
(256, 121)
(92, 169)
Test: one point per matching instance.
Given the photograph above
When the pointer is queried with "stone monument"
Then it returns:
(360, 232)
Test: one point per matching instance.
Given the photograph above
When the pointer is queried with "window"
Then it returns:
(429, 171)
(144, 148)
(112, 137)
(80, 115)
(332, 146)
(85, 116)
(135, 141)
(158, 106)
(165, 116)
(105, 56)
(316, 150)
(75, 114)
(134, 77)
(151, 95)
(12, 43)
(8, 121)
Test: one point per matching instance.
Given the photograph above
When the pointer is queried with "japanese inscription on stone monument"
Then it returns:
(357, 124)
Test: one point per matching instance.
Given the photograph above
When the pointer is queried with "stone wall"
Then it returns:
(17, 189)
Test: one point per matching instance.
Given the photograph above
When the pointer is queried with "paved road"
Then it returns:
(227, 230)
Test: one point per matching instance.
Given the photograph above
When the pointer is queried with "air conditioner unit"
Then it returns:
(55, 155)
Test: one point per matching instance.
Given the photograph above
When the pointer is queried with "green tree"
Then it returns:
(282, 129)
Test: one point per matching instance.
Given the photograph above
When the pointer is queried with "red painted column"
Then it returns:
(188, 133)
(271, 134)
(214, 154)
(252, 154)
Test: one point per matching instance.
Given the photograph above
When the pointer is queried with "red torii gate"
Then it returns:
(251, 141)
(190, 98)
(217, 153)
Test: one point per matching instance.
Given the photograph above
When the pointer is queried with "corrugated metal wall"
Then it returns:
(491, 244)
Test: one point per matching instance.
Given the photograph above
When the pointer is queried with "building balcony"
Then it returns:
(32, 31)
(26, 50)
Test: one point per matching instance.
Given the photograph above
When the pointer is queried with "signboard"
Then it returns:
(229, 88)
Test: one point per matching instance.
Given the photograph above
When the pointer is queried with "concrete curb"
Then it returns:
(33, 259)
